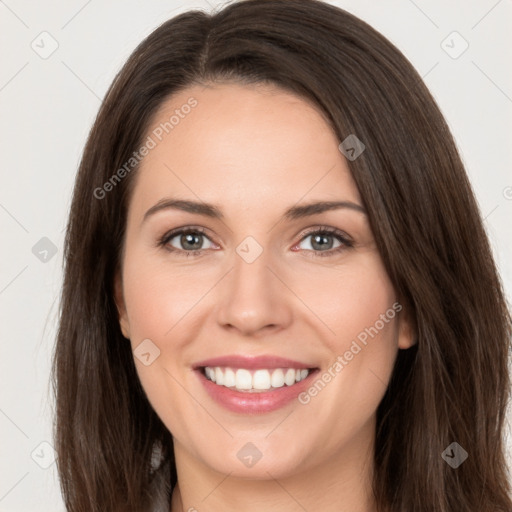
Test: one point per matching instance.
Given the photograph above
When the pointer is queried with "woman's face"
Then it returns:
(271, 290)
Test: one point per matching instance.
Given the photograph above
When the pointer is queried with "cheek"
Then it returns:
(359, 306)
(158, 297)
(350, 300)
(157, 303)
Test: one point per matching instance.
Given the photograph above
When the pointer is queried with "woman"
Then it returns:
(278, 291)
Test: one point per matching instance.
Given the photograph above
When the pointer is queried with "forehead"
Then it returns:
(242, 145)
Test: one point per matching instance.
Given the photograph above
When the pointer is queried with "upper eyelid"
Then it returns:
(325, 229)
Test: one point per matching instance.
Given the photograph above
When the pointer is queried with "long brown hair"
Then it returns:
(452, 386)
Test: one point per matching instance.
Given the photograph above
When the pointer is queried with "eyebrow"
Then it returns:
(213, 211)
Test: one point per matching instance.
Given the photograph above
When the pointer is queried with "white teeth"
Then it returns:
(210, 373)
(261, 379)
(289, 377)
(255, 380)
(277, 380)
(229, 378)
(243, 379)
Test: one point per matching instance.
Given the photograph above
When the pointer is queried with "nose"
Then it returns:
(254, 299)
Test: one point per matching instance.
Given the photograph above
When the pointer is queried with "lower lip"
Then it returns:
(257, 402)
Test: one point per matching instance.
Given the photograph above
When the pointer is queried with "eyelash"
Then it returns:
(322, 230)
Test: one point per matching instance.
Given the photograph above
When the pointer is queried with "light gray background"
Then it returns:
(48, 105)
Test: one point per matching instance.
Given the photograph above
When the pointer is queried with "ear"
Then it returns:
(407, 336)
(120, 304)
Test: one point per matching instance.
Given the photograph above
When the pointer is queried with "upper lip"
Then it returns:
(253, 362)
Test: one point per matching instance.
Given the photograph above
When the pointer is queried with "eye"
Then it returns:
(188, 241)
(325, 241)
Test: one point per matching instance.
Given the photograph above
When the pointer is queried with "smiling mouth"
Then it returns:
(255, 380)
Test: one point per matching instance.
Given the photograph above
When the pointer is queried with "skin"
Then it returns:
(255, 151)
